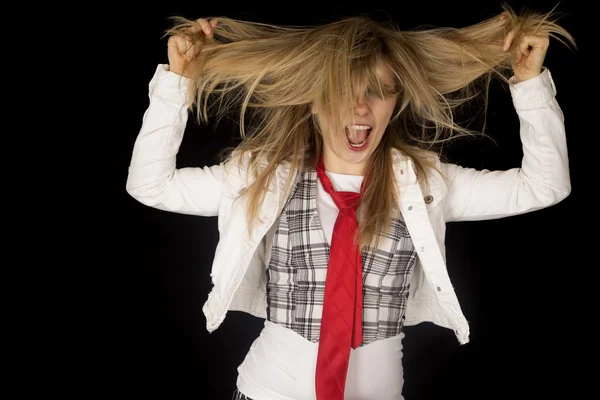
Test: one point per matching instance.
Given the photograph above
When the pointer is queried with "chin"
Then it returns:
(354, 160)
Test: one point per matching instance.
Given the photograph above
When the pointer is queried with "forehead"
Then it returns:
(384, 72)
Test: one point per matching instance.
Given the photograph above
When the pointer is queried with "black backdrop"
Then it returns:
(510, 275)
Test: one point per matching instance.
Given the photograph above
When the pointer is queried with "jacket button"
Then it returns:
(428, 199)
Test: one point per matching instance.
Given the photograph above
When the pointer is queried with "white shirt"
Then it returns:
(280, 364)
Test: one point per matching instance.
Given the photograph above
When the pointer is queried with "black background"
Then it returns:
(512, 276)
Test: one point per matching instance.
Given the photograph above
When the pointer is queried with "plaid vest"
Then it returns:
(298, 268)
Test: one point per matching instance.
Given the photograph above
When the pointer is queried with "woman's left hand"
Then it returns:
(527, 55)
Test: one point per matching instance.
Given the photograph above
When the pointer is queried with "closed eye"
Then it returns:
(382, 92)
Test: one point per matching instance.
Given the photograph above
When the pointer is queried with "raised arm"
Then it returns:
(153, 179)
(543, 177)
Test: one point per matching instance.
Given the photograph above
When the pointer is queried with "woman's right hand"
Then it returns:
(182, 50)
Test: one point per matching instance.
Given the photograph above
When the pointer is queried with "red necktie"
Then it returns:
(341, 323)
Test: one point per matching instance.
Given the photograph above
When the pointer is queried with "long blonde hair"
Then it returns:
(272, 76)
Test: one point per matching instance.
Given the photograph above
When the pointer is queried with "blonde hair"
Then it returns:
(272, 76)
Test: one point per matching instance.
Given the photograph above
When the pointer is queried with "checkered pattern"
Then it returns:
(298, 268)
(237, 395)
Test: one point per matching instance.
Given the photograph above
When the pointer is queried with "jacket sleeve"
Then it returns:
(543, 177)
(153, 179)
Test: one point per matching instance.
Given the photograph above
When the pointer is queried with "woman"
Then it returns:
(332, 209)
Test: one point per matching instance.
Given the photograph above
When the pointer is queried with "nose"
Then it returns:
(362, 106)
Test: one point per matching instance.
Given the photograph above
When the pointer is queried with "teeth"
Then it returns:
(360, 127)
(352, 129)
(357, 144)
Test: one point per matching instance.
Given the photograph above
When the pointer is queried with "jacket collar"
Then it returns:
(404, 169)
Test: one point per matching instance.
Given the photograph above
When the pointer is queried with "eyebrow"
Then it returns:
(389, 87)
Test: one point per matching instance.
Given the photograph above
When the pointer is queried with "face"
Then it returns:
(347, 150)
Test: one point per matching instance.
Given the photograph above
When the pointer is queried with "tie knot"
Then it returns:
(343, 200)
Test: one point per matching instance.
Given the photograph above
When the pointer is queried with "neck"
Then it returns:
(337, 166)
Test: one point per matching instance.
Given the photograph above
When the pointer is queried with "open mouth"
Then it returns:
(358, 136)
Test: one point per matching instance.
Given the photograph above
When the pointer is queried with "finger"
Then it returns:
(536, 41)
(205, 26)
(190, 52)
(518, 56)
(211, 26)
(502, 18)
(521, 50)
(183, 47)
(508, 40)
(523, 46)
(201, 25)
(177, 42)
(531, 44)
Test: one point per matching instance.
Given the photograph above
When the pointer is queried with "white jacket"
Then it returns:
(238, 271)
